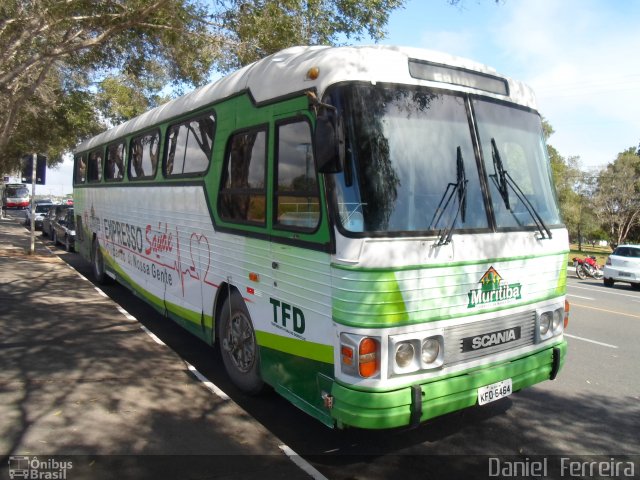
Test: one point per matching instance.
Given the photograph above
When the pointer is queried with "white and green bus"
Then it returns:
(371, 231)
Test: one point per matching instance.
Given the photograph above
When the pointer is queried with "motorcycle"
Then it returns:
(587, 267)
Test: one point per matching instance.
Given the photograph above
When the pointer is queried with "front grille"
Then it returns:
(455, 334)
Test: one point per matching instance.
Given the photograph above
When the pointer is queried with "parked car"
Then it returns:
(623, 265)
(63, 229)
(41, 210)
(47, 221)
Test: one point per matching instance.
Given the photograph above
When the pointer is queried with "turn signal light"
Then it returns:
(566, 313)
(369, 363)
(347, 355)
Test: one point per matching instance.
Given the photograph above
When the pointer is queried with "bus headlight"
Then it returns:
(416, 352)
(558, 321)
(405, 354)
(545, 323)
(430, 350)
(550, 323)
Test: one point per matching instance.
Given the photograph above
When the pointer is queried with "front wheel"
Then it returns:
(608, 282)
(580, 272)
(238, 346)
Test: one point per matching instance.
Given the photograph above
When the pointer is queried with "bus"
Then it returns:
(370, 231)
(15, 195)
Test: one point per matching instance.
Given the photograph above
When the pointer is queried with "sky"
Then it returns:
(579, 56)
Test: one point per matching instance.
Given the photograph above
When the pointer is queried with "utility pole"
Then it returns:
(32, 247)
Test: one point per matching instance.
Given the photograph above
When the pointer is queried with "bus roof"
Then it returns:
(285, 72)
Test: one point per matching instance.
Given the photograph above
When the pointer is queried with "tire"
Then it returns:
(97, 264)
(53, 238)
(238, 346)
(635, 286)
(67, 243)
(580, 272)
(608, 282)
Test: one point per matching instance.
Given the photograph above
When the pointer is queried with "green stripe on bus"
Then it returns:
(370, 321)
(293, 346)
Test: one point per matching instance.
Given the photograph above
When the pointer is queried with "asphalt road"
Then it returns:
(591, 409)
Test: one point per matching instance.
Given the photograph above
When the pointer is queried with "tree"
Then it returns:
(51, 50)
(618, 195)
(260, 27)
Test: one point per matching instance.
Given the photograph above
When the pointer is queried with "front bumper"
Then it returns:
(414, 404)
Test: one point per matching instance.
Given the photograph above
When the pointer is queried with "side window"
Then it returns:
(95, 166)
(622, 252)
(242, 196)
(297, 202)
(79, 170)
(189, 146)
(114, 163)
(143, 155)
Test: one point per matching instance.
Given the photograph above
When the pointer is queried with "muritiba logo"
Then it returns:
(493, 290)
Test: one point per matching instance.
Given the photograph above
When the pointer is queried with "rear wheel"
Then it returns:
(67, 243)
(580, 272)
(97, 263)
(53, 238)
(238, 346)
(635, 286)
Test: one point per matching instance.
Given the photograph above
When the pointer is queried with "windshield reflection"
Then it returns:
(402, 146)
(406, 146)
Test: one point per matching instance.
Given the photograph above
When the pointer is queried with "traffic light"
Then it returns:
(27, 169)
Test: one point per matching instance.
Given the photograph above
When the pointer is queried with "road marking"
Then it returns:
(206, 382)
(127, 315)
(153, 336)
(605, 310)
(590, 341)
(302, 463)
(578, 296)
(608, 291)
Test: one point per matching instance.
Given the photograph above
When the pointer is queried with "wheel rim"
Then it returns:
(239, 342)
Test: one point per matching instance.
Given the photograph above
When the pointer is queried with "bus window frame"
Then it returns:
(185, 121)
(132, 140)
(234, 223)
(82, 158)
(100, 171)
(277, 226)
(123, 142)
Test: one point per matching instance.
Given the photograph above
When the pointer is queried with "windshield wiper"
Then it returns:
(444, 235)
(503, 181)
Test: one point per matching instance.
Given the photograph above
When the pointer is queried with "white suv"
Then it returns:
(623, 265)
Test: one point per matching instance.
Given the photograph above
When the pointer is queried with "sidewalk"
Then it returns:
(79, 378)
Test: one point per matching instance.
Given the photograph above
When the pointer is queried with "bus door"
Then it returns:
(300, 259)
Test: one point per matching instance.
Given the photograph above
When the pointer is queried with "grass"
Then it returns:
(601, 253)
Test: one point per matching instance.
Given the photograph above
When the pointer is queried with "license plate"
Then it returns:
(624, 274)
(495, 391)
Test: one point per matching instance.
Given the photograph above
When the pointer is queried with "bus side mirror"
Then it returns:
(329, 143)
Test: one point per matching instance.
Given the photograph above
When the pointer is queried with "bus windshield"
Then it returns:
(17, 191)
(411, 165)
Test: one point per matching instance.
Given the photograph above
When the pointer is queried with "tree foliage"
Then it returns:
(261, 27)
(80, 62)
(617, 197)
